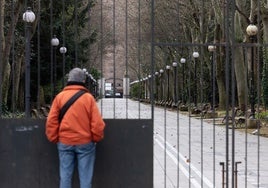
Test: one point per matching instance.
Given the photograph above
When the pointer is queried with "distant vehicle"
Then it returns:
(118, 95)
(108, 90)
(109, 93)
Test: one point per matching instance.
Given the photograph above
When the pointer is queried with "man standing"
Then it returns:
(78, 131)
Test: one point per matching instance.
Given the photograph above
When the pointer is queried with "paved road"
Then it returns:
(202, 146)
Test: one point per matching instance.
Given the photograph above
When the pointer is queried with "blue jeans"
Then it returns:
(85, 155)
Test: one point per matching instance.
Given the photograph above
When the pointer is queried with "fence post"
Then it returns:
(235, 172)
(223, 171)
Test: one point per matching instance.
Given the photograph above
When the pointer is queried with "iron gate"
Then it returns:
(196, 70)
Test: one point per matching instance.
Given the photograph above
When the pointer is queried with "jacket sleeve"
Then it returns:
(97, 123)
(52, 123)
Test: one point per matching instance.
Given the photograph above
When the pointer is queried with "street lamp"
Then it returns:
(54, 42)
(156, 85)
(175, 64)
(63, 51)
(212, 48)
(146, 87)
(167, 68)
(28, 18)
(161, 84)
(195, 55)
(252, 31)
(149, 87)
(183, 61)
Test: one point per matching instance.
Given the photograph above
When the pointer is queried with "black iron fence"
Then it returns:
(197, 64)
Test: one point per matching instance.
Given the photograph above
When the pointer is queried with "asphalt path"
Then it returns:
(188, 150)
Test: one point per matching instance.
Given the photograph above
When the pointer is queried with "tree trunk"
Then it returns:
(5, 82)
(18, 75)
(220, 71)
(219, 12)
(239, 60)
(2, 43)
(6, 51)
(241, 81)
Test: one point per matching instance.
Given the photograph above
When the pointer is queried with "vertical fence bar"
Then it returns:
(233, 56)
(246, 123)
(202, 64)
(189, 128)
(257, 60)
(101, 55)
(1, 60)
(114, 52)
(63, 51)
(223, 172)
(51, 54)
(139, 57)
(177, 103)
(13, 61)
(38, 56)
(152, 86)
(235, 174)
(89, 33)
(76, 34)
(126, 76)
(213, 112)
(227, 104)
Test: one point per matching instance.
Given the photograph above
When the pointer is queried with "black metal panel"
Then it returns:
(124, 157)
(27, 159)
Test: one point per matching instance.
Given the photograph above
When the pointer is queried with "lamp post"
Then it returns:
(175, 64)
(54, 42)
(167, 68)
(63, 51)
(252, 31)
(161, 84)
(212, 48)
(183, 61)
(195, 55)
(149, 86)
(156, 85)
(145, 87)
(29, 18)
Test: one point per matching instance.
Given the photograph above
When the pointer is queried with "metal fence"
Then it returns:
(217, 151)
(195, 68)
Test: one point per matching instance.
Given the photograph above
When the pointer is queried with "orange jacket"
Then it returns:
(81, 123)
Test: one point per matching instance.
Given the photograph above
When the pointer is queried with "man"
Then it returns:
(80, 128)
